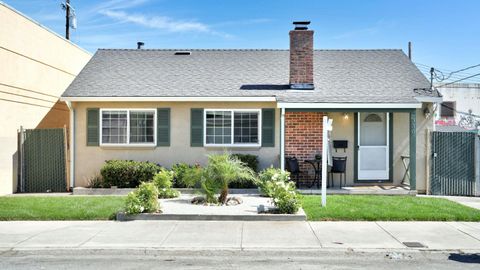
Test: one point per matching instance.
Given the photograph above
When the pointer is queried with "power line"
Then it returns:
(24, 96)
(460, 112)
(32, 104)
(466, 78)
(452, 74)
(28, 90)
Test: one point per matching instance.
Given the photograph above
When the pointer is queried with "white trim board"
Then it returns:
(288, 105)
(430, 99)
(169, 99)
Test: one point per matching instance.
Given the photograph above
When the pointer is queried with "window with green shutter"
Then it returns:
(196, 127)
(268, 127)
(92, 126)
(163, 127)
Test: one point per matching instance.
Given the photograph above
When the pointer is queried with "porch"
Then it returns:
(379, 146)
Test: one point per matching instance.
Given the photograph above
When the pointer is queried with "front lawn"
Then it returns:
(60, 208)
(387, 208)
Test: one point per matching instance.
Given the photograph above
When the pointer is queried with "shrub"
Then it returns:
(128, 173)
(163, 181)
(267, 177)
(250, 161)
(144, 199)
(192, 177)
(222, 169)
(179, 172)
(96, 181)
(285, 197)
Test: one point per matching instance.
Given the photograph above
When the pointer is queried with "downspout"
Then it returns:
(72, 144)
(282, 139)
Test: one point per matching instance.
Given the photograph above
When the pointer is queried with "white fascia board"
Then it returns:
(349, 105)
(430, 99)
(169, 99)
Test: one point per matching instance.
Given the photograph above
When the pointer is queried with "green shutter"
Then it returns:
(268, 127)
(163, 127)
(93, 119)
(196, 128)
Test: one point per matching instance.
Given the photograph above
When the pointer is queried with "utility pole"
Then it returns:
(67, 20)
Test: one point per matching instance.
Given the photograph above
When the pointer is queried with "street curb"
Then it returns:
(299, 216)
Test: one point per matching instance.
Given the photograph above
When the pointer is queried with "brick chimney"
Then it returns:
(301, 57)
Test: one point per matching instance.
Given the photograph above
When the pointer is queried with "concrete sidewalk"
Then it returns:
(231, 235)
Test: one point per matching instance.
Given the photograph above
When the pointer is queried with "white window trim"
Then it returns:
(128, 144)
(232, 144)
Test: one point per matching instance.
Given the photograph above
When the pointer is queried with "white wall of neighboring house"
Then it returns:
(36, 66)
(465, 97)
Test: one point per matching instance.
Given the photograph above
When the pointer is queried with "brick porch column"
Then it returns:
(303, 136)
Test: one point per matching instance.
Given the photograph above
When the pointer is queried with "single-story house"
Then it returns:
(170, 106)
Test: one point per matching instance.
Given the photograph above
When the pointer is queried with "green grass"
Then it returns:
(60, 208)
(386, 208)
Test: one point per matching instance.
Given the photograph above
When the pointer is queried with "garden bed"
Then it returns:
(182, 209)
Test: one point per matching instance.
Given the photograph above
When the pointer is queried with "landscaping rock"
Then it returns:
(234, 201)
(198, 200)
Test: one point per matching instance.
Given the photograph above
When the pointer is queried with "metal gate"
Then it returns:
(42, 160)
(453, 163)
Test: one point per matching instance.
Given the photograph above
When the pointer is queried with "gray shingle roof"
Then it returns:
(360, 76)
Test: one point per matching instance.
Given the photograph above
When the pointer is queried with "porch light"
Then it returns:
(345, 115)
(426, 112)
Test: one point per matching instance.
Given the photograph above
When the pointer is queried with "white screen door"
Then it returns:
(373, 146)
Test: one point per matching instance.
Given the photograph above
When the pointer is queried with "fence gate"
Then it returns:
(42, 160)
(453, 163)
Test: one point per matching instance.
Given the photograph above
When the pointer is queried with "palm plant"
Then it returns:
(221, 170)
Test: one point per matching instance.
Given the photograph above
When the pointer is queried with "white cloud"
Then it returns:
(158, 22)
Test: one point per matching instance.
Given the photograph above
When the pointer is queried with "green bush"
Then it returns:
(96, 181)
(144, 199)
(250, 161)
(163, 181)
(128, 173)
(192, 177)
(179, 172)
(285, 197)
(267, 177)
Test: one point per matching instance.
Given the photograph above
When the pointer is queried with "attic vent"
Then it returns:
(183, 53)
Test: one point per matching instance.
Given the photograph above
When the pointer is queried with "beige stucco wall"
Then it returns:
(343, 129)
(89, 159)
(36, 66)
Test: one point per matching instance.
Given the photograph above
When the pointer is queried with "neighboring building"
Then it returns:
(171, 106)
(36, 66)
(459, 99)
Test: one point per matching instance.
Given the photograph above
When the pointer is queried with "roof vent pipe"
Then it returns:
(140, 45)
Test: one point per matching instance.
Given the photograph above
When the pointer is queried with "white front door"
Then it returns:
(373, 146)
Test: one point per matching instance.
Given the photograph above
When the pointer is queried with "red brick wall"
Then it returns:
(303, 138)
(301, 56)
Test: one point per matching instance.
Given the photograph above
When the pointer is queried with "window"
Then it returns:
(128, 127)
(447, 109)
(232, 127)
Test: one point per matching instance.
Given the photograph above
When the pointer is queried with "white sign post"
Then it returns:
(327, 126)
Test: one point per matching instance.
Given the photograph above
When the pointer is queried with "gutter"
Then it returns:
(168, 99)
(289, 105)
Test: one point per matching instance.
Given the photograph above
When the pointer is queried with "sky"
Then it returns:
(444, 34)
